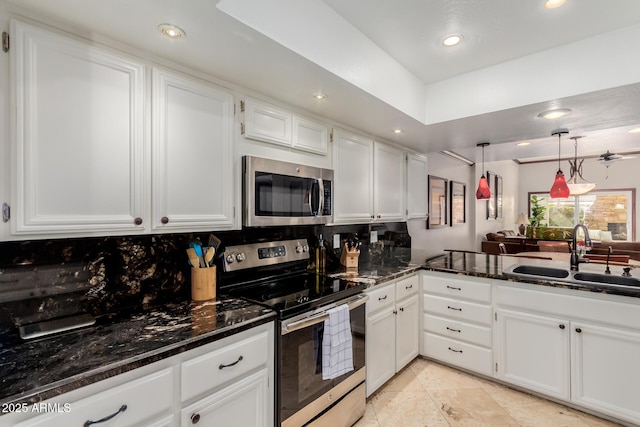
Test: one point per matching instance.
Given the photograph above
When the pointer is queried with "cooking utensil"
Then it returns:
(208, 255)
(194, 260)
(197, 246)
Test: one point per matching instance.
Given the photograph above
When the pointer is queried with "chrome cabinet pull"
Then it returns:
(453, 308)
(107, 418)
(222, 365)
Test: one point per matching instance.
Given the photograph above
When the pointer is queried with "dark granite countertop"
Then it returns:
(491, 266)
(38, 369)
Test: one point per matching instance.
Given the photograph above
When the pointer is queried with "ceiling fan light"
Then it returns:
(559, 189)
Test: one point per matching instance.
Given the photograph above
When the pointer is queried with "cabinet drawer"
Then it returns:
(210, 370)
(474, 334)
(381, 297)
(456, 288)
(135, 401)
(457, 309)
(457, 353)
(407, 287)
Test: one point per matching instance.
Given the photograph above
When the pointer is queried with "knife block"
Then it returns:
(203, 283)
(349, 257)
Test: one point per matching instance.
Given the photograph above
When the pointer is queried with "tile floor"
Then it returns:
(427, 393)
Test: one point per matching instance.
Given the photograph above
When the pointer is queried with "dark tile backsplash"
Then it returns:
(111, 273)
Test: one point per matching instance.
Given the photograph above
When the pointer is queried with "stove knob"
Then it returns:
(240, 257)
(230, 258)
(299, 249)
(305, 248)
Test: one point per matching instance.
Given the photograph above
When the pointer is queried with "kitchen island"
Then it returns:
(566, 340)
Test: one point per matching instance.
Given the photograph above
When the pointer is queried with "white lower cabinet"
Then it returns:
(534, 352)
(581, 349)
(225, 383)
(456, 321)
(392, 329)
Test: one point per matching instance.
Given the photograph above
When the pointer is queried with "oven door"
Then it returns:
(281, 193)
(300, 364)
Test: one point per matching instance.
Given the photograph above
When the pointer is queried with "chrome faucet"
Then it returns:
(575, 260)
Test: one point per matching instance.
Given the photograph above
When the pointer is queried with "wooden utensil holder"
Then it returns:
(203, 283)
(349, 257)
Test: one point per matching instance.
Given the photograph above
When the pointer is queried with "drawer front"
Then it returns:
(381, 297)
(131, 402)
(457, 309)
(468, 356)
(454, 329)
(456, 288)
(407, 287)
(210, 370)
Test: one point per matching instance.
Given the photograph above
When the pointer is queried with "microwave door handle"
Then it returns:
(321, 196)
(315, 207)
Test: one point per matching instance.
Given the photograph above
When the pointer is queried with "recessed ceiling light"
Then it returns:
(636, 130)
(452, 40)
(397, 131)
(523, 143)
(554, 114)
(172, 31)
(552, 4)
(320, 95)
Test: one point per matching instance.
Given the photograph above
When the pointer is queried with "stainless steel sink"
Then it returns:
(543, 272)
(536, 272)
(607, 279)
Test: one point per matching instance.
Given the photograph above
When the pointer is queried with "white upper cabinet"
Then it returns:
(353, 176)
(266, 122)
(78, 138)
(309, 135)
(269, 123)
(417, 198)
(388, 183)
(369, 179)
(192, 154)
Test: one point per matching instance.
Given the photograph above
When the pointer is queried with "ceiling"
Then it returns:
(408, 31)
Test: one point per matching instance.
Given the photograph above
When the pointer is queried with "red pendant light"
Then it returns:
(483, 192)
(559, 189)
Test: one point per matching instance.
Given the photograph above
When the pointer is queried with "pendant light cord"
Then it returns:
(559, 135)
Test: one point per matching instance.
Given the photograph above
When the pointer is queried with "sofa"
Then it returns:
(491, 244)
(618, 248)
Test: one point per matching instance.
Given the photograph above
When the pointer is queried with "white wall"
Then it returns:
(510, 179)
(456, 237)
(538, 177)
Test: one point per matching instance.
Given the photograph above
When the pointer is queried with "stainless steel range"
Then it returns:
(274, 274)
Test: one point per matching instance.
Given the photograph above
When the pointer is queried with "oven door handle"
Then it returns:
(322, 316)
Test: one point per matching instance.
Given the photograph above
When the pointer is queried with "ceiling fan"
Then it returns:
(609, 157)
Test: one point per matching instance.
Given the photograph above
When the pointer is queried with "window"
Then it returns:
(608, 214)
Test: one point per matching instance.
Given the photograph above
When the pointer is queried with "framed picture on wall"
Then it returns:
(491, 203)
(458, 203)
(498, 196)
(437, 188)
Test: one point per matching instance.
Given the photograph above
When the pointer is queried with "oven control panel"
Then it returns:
(265, 253)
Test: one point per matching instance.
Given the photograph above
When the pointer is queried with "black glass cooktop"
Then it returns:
(291, 295)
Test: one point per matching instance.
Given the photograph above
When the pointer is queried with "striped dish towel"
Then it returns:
(337, 343)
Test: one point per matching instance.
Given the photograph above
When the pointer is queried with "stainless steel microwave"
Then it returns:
(281, 193)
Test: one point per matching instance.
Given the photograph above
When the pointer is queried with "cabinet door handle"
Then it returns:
(454, 288)
(454, 330)
(137, 221)
(561, 326)
(401, 308)
(195, 418)
(578, 330)
(382, 298)
(408, 287)
(455, 351)
(107, 418)
(453, 308)
(222, 365)
(164, 220)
